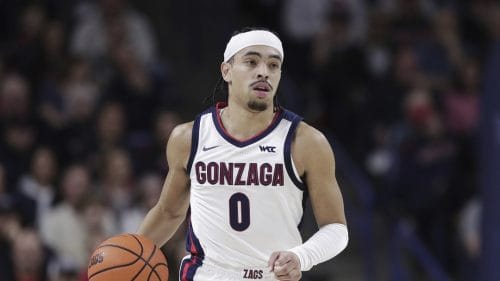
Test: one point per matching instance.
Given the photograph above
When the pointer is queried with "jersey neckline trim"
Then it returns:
(222, 131)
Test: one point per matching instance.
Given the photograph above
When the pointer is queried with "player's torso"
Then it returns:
(246, 197)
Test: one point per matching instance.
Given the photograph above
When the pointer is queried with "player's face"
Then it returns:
(253, 77)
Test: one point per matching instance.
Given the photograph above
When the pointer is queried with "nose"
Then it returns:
(262, 71)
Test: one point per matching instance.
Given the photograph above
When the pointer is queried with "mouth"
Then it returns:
(262, 89)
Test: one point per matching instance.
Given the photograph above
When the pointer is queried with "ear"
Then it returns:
(225, 69)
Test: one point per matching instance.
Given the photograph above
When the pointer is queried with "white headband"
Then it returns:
(252, 38)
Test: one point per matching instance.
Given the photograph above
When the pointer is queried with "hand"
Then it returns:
(285, 265)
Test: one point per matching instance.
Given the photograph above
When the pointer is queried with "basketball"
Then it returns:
(127, 257)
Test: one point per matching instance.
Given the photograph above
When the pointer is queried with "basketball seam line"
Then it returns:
(139, 257)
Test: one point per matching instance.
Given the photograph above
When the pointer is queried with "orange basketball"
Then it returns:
(127, 257)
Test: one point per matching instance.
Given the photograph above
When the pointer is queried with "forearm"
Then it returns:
(325, 244)
(159, 225)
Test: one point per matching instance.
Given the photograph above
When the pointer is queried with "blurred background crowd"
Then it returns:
(90, 91)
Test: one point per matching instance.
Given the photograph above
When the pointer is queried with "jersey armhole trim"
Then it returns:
(290, 168)
(194, 142)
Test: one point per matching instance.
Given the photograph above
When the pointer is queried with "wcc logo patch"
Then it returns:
(266, 148)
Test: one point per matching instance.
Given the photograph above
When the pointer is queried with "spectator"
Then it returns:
(54, 53)
(99, 220)
(148, 192)
(23, 52)
(109, 24)
(15, 99)
(10, 225)
(341, 72)
(301, 21)
(36, 191)
(461, 115)
(461, 101)
(410, 21)
(423, 176)
(116, 181)
(137, 87)
(111, 127)
(15, 152)
(98, 223)
(29, 257)
(151, 155)
(442, 49)
(63, 228)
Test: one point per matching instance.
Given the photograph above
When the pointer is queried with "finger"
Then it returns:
(282, 269)
(283, 259)
(272, 260)
(285, 278)
(294, 275)
(284, 264)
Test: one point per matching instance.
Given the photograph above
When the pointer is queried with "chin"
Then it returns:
(257, 105)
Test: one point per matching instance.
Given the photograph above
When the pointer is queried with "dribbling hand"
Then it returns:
(285, 265)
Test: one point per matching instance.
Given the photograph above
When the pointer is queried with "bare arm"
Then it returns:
(314, 159)
(164, 218)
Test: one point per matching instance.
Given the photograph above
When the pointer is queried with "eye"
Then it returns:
(251, 62)
(274, 65)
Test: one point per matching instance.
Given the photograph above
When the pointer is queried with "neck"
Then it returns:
(243, 123)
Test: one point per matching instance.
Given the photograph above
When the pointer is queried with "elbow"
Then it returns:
(169, 212)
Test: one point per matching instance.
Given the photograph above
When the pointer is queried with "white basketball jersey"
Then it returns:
(246, 196)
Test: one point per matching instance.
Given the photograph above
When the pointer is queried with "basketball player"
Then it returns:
(241, 171)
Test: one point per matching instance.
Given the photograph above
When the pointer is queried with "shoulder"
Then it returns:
(182, 132)
(310, 147)
(179, 142)
(307, 135)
